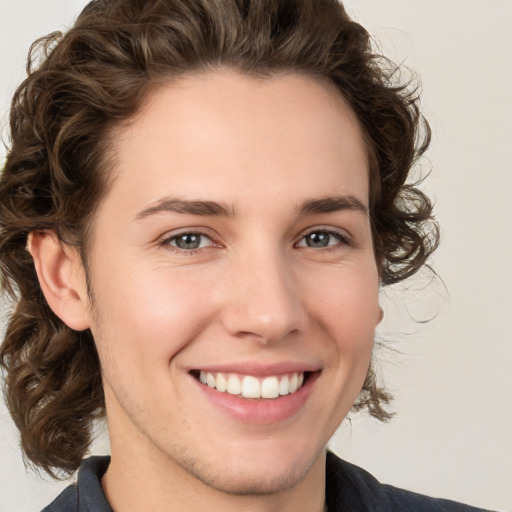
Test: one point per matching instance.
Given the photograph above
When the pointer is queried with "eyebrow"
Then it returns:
(328, 204)
(174, 205)
(332, 204)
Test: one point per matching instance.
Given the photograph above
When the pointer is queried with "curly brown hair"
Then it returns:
(56, 173)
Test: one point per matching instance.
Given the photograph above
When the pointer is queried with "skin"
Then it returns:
(254, 293)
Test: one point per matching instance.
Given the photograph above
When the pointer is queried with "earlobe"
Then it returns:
(381, 315)
(61, 277)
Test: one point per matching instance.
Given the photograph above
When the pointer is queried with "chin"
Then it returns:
(247, 481)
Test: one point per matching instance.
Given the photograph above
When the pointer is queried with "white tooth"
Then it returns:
(301, 380)
(294, 381)
(202, 377)
(210, 380)
(284, 385)
(234, 385)
(250, 387)
(270, 388)
(221, 383)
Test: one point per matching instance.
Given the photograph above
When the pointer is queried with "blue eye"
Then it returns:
(321, 238)
(188, 241)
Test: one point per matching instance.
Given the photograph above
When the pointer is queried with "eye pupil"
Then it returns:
(188, 241)
(318, 239)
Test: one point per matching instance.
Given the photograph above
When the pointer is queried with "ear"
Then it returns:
(62, 278)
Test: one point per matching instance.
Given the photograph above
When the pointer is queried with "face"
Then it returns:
(234, 281)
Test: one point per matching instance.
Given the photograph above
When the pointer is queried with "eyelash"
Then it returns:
(167, 242)
(342, 240)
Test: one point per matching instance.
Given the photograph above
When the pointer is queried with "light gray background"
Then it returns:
(451, 378)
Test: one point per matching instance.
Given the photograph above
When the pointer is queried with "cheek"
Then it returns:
(346, 301)
(143, 321)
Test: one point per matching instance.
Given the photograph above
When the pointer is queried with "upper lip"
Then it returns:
(258, 369)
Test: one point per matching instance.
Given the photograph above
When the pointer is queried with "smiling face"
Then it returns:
(233, 258)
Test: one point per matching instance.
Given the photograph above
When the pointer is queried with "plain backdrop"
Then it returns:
(451, 377)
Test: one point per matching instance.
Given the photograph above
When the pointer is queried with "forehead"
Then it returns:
(226, 134)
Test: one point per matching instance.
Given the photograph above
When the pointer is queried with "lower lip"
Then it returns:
(260, 411)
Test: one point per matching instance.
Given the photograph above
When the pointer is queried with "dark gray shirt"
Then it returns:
(348, 489)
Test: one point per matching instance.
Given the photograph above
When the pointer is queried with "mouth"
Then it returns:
(251, 387)
(256, 395)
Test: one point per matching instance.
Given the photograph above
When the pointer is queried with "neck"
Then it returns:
(142, 483)
(259, 476)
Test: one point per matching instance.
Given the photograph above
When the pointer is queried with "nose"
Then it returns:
(262, 299)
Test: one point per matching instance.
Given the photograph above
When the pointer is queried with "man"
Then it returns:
(200, 203)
